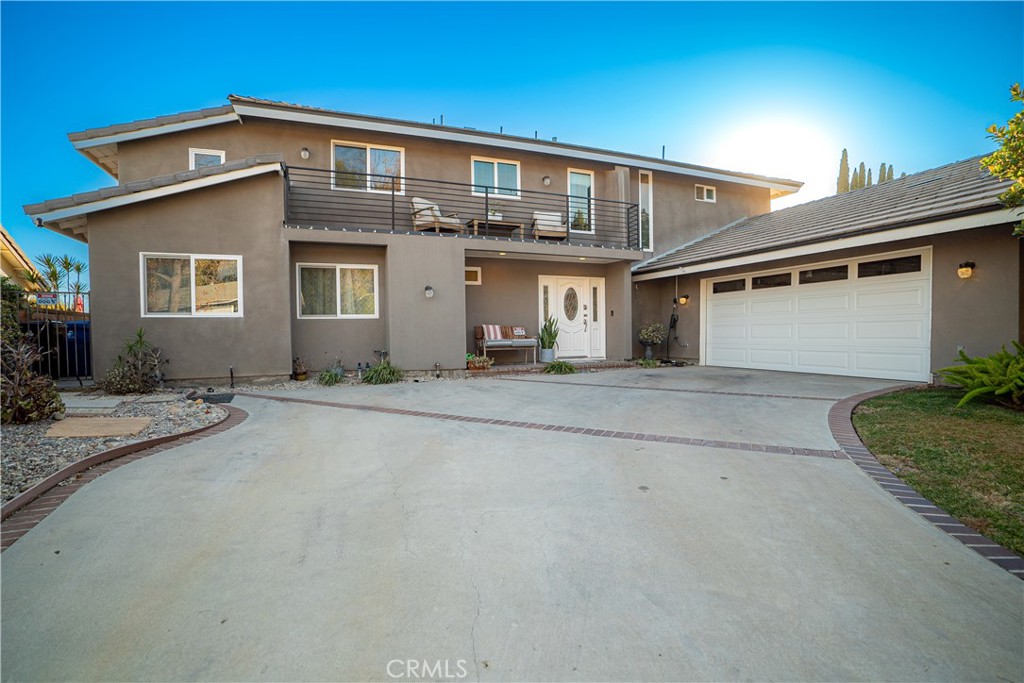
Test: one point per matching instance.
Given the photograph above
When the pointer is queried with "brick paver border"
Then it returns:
(585, 431)
(678, 391)
(840, 421)
(24, 511)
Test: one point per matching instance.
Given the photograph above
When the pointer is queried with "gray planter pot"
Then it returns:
(648, 352)
(547, 355)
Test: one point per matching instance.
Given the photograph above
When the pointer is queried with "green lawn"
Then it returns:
(968, 461)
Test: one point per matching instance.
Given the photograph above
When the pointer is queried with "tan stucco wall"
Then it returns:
(319, 341)
(240, 218)
(981, 313)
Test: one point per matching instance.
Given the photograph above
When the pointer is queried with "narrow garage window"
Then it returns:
(769, 281)
(827, 274)
(892, 266)
(729, 286)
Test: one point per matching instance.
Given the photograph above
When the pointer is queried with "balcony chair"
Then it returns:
(549, 224)
(426, 215)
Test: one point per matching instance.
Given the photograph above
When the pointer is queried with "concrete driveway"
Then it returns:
(318, 542)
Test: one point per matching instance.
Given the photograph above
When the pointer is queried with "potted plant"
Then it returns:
(652, 334)
(548, 339)
(494, 209)
(478, 363)
(300, 371)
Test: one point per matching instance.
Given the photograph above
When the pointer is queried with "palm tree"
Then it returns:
(49, 266)
(79, 267)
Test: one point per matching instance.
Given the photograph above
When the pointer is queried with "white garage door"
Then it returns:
(865, 317)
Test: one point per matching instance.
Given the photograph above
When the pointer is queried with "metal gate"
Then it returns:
(59, 323)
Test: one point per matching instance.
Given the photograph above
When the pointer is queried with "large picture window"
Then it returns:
(495, 176)
(191, 285)
(373, 168)
(336, 291)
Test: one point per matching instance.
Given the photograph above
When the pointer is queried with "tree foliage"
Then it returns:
(861, 176)
(1007, 162)
(843, 182)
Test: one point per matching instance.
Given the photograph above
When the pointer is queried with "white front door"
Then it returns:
(578, 304)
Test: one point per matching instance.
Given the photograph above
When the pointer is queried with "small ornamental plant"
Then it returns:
(653, 333)
(479, 362)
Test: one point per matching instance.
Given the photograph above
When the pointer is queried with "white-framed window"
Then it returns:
(581, 200)
(646, 210)
(201, 158)
(366, 167)
(501, 176)
(706, 193)
(336, 290)
(187, 285)
(474, 275)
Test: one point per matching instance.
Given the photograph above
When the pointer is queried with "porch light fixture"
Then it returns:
(547, 180)
(965, 270)
(304, 152)
(684, 299)
(429, 292)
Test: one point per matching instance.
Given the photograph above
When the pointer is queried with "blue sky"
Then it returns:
(771, 88)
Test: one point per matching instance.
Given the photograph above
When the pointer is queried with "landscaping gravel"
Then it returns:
(29, 456)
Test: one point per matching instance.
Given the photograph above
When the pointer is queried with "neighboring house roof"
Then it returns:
(961, 190)
(14, 261)
(67, 214)
(100, 144)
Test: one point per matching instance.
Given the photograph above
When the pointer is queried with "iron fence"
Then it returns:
(60, 323)
(383, 203)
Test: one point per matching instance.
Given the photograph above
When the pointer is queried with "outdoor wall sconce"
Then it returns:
(684, 299)
(429, 292)
(965, 270)
(546, 180)
(304, 152)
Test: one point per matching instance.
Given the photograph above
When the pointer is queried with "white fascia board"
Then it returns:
(156, 130)
(155, 193)
(455, 135)
(980, 220)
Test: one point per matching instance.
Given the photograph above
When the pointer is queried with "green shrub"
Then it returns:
(330, 376)
(549, 333)
(138, 369)
(383, 373)
(998, 378)
(649, 363)
(26, 396)
(560, 367)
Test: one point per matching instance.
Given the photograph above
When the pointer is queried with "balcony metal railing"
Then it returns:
(383, 203)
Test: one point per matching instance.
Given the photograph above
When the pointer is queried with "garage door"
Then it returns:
(865, 317)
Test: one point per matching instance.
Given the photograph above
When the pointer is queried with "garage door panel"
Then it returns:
(868, 327)
(836, 330)
(777, 331)
(831, 303)
(771, 306)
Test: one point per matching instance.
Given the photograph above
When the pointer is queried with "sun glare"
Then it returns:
(781, 148)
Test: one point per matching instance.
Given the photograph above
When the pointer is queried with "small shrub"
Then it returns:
(649, 363)
(998, 378)
(330, 376)
(383, 373)
(653, 333)
(26, 396)
(479, 362)
(138, 369)
(560, 367)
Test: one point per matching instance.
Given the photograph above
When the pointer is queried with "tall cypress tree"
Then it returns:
(870, 183)
(881, 173)
(888, 175)
(862, 172)
(843, 183)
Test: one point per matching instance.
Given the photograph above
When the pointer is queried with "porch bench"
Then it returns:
(504, 338)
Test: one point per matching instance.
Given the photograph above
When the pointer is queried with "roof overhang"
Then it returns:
(102, 150)
(72, 221)
(969, 222)
(777, 187)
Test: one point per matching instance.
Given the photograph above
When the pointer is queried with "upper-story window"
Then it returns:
(706, 193)
(374, 168)
(500, 176)
(201, 158)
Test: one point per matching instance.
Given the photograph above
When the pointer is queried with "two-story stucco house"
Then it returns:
(246, 235)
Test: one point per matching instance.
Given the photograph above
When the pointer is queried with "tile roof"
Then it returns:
(959, 188)
(150, 184)
(142, 124)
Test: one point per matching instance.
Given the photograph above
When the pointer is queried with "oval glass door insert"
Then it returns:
(571, 303)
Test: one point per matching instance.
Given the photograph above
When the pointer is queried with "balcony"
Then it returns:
(383, 203)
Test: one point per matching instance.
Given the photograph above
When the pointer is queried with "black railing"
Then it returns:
(382, 203)
(59, 322)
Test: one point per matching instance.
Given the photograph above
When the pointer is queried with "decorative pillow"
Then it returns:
(492, 331)
(519, 332)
